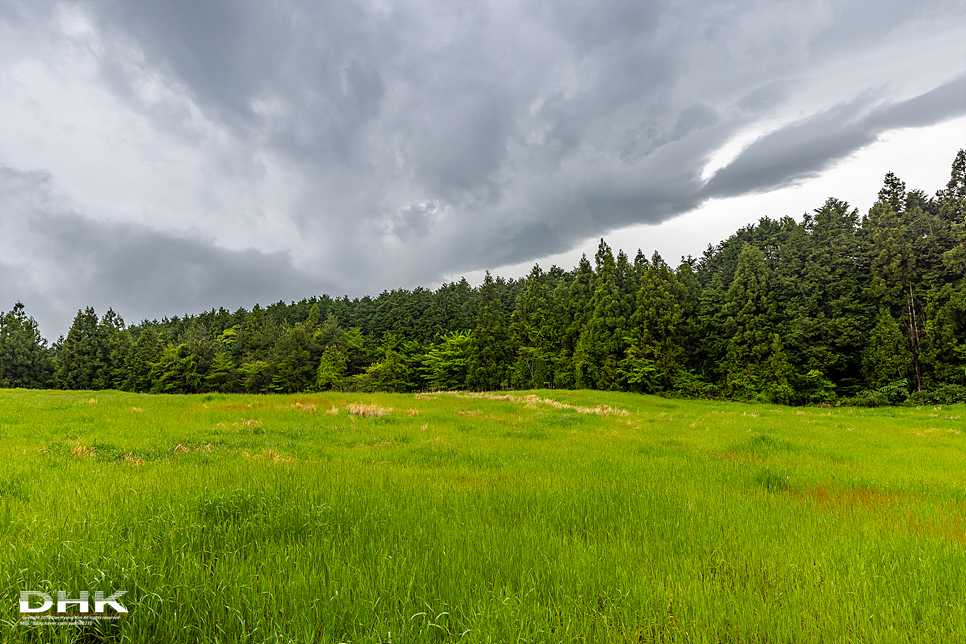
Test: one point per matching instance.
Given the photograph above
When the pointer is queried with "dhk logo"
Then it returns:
(82, 602)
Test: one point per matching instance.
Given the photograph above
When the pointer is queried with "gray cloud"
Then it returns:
(359, 146)
(807, 147)
(63, 261)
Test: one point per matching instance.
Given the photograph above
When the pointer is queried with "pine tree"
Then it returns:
(886, 358)
(894, 280)
(331, 372)
(222, 376)
(82, 356)
(116, 351)
(25, 360)
(294, 368)
(487, 361)
(602, 341)
(835, 314)
(530, 331)
(147, 351)
(390, 371)
(177, 371)
(572, 308)
(658, 331)
(750, 326)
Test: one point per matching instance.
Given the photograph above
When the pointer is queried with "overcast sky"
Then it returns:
(167, 156)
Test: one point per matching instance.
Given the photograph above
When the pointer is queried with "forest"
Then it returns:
(838, 308)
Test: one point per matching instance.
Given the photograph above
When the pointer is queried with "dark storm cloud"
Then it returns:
(64, 262)
(388, 144)
(807, 147)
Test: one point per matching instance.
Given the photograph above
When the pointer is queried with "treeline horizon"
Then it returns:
(867, 310)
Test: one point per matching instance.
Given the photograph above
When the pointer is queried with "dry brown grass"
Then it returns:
(133, 460)
(249, 422)
(367, 411)
(202, 449)
(306, 407)
(269, 455)
(531, 401)
(82, 450)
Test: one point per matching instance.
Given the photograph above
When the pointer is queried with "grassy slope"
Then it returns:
(456, 518)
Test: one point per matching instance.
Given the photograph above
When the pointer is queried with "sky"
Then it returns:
(164, 157)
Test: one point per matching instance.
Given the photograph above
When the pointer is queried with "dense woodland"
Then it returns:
(869, 310)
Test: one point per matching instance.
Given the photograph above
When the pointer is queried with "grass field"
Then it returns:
(544, 516)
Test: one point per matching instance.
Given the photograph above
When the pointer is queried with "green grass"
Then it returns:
(563, 517)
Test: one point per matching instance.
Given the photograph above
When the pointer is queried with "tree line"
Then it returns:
(867, 309)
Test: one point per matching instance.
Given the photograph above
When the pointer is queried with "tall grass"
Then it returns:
(543, 517)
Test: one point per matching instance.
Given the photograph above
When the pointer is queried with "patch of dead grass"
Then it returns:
(367, 411)
(531, 400)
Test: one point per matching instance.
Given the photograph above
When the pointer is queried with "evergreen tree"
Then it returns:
(177, 371)
(147, 351)
(834, 313)
(886, 359)
(390, 371)
(894, 280)
(658, 331)
(82, 355)
(572, 306)
(944, 334)
(25, 360)
(530, 331)
(222, 376)
(749, 371)
(294, 367)
(116, 350)
(602, 341)
(487, 361)
(446, 361)
(331, 372)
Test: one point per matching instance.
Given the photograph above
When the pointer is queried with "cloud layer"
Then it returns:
(164, 156)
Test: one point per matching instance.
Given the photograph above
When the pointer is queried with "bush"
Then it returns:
(868, 398)
(894, 393)
(942, 395)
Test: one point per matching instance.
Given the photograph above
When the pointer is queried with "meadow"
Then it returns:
(544, 516)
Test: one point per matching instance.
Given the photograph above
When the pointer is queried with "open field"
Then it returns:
(548, 516)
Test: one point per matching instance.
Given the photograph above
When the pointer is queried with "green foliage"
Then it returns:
(391, 371)
(24, 358)
(447, 360)
(533, 333)
(886, 358)
(487, 360)
(659, 330)
(602, 341)
(295, 370)
(750, 361)
(82, 356)
(331, 373)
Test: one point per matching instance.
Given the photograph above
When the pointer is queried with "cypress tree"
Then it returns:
(531, 335)
(657, 333)
(749, 325)
(487, 361)
(602, 342)
(82, 356)
(25, 360)
(886, 358)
